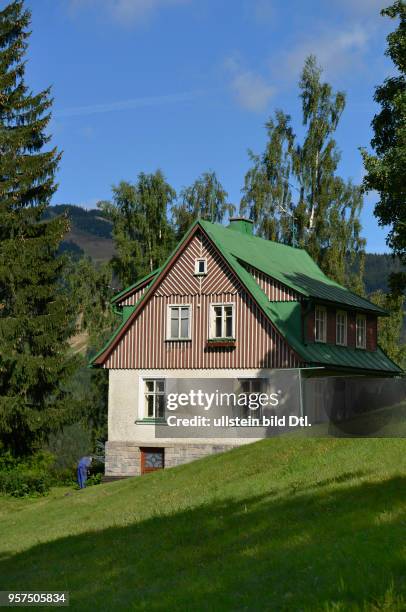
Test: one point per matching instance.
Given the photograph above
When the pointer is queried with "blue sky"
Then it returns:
(187, 85)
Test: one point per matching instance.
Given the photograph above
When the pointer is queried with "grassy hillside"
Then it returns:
(278, 525)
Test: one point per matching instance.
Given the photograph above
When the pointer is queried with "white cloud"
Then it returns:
(132, 103)
(127, 12)
(336, 51)
(250, 89)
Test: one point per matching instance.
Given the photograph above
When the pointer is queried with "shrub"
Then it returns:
(21, 483)
(94, 479)
(28, 476)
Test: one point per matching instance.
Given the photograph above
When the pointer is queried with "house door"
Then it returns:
(152, 459)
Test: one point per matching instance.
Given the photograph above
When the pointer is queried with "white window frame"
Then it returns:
(358, 319)
(169, 326)
(212, 319)
(320, 309)
(197, 271)
(154, 393)
(340, 325)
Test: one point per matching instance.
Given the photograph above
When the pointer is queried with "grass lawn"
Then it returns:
(283, 524)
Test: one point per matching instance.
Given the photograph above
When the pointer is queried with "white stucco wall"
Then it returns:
(126, 403)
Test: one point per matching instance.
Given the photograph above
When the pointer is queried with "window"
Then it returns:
(360, 331)
(341, 327)
(178, 323)
(251, 387)
(320, 324)
(154, 399)
(201, 266)
(152, 459)
(222, 321)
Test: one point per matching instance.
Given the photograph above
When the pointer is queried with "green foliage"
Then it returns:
(69, 445)
(142, 234)
(390, 328)
(205, 199)
(91, 387)
(325, 208)
(90, 289)
(386, 169)
(35, 319)
(23, 483)
(94, 479)
(267, 187)
(22, 478)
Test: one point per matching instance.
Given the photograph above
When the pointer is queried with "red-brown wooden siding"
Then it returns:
(132, 299)
(144, 346)
(372, 332)
(275, 291)
(371, 329)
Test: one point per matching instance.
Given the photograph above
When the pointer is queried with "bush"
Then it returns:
(24, 477)
(94, 479)
(21, 483)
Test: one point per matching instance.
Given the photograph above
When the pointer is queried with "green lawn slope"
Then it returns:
(284, 524)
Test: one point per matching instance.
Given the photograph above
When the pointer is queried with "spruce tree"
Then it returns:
(35, 320)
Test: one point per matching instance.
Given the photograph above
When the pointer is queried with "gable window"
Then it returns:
(361, 331)
(154, 399)
(178, 322)
(320, 324)
(201, 266)
(222, 323)
(341, 327)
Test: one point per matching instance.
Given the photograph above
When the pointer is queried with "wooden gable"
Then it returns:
(145, 345)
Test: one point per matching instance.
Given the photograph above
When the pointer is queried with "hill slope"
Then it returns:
(90, 232)
(277, 525)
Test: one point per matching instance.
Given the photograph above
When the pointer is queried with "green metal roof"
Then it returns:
(292, 267)
(297, 270)
(287, 318)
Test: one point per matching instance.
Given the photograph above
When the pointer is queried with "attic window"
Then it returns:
(201, 266)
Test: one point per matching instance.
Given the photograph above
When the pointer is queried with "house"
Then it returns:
(226, 304)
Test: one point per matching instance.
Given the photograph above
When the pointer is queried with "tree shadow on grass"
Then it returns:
(338, 549)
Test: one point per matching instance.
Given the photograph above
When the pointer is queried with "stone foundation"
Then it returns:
(124, 458)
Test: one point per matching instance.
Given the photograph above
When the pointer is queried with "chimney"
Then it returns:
(242, 225)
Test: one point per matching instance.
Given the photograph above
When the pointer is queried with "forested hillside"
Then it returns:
(90, 233)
